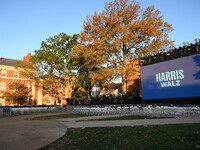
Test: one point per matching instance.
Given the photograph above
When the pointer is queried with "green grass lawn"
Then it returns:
(74, 115)
(165, 137)
(126, 117)
(60, 116)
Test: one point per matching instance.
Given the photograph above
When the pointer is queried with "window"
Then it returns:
(4, 73)
(3, 86)
(27, 85)
(48, 99)
(16, 74)
(2, 101)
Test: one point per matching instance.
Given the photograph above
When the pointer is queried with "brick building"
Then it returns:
(9, 75)
(133, 84)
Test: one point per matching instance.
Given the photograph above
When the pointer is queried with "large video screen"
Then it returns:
(172, 79)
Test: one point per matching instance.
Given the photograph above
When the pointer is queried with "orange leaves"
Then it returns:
(90, 56)
(122, 32)
(150, 12)
(123, 21)
(104, 75)
(19, 95)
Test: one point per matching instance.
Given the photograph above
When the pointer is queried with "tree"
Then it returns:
(19, 95)
(51, 65)
(86, 62)
(82, 84)
(119, 35)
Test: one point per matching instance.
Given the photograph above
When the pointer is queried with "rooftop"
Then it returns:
(7, 61)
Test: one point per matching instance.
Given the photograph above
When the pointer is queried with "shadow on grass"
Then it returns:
(185, 136)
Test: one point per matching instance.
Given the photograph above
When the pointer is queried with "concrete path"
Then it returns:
(16, 133)
(20, 133)
(72, 123)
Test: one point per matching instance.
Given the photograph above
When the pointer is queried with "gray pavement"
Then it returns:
(72, 123)
(16, 133)
(21, 133)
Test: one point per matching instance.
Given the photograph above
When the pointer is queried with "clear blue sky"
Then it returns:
(24, 24)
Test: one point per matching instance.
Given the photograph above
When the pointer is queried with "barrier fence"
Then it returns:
(139, 109)
(18, 110)
(146, 110)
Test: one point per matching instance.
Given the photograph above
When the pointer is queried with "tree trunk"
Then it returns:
(124, 70)
(89, 88)
(124, 81)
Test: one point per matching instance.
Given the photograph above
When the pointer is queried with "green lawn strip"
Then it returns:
(126, 117)
(59, 116)
(167, 137)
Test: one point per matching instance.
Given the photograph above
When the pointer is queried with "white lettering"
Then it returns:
(181, 75)
(173, 83)
(169, 83)
(158, 79)
(173, 75)
(178, 83)
(163, 77)
(163, 84)
(170, 78)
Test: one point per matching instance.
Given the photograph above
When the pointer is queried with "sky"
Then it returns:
(24, 24)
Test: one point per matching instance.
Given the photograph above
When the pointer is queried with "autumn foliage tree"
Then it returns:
(19, 94)
(84, 65)
(121, 33)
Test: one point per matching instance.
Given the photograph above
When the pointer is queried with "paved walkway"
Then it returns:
(20, 133)
(72, 123)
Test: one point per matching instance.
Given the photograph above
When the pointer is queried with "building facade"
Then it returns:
(9, 74)
(134, 81)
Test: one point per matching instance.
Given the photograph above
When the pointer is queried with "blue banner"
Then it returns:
(171, 79)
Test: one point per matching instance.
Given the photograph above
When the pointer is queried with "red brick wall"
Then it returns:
(134, 82)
